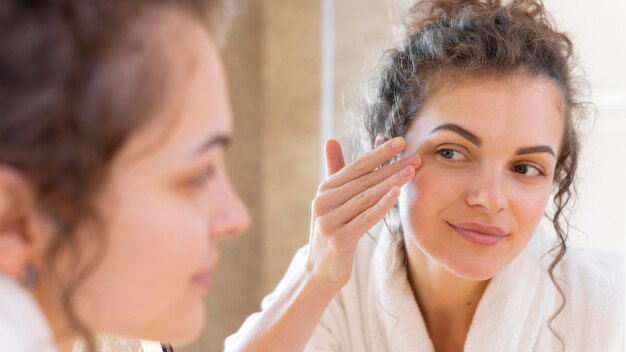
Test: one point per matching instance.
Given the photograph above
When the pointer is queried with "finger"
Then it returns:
(359, 226)
(367, 199)
(334, 157)
(338, 196)
(366, 163)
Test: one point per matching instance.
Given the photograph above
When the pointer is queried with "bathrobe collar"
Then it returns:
(23, 328)
(514, 297)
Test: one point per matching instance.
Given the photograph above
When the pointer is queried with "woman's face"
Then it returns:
(166, 204)
(489, 153)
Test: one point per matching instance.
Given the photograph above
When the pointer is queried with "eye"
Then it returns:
(528, 170)
(451, 154)
(203, 177)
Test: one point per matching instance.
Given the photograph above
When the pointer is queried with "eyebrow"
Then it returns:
(219, 140)
(472, 138)
(536, 149)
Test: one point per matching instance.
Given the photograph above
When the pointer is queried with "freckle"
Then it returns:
(469, 304)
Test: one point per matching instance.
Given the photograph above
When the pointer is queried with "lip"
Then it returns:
(203, 279)
(477, 233)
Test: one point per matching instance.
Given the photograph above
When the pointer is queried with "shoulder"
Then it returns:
(594, 285)
(598, 268)
(21, 322)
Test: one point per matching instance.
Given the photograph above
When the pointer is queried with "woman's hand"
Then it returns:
(352, 200)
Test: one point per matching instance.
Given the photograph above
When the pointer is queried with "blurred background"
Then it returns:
(296, 70)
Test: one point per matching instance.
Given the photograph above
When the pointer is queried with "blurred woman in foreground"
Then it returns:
(114, 117)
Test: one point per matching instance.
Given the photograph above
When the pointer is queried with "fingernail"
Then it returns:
(405, 172)
(414, 160)
(394, 192)
(397, 143)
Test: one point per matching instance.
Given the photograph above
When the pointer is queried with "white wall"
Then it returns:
(598, 31)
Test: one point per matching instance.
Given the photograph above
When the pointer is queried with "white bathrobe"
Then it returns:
(376, 310)
(23, 328)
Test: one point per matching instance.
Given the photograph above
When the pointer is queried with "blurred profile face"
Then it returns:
(166, 204)
(489, 154)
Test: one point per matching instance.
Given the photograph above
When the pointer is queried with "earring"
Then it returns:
(31, 277)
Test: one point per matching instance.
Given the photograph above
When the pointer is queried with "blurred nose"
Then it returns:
(488, 194)
(231, 217)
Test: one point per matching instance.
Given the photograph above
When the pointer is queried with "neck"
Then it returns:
(447, 302)
(64, 336)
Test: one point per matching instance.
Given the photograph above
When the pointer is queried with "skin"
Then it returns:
(166, 204)
(498, 182)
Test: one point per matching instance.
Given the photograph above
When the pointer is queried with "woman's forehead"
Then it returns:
(518, 85)
(197, 104)
(498, 109)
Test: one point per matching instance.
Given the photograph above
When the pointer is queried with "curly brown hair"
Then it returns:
(77, 78)
(478, 38)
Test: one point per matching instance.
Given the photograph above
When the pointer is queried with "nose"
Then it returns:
(231, 217)
(488, 194)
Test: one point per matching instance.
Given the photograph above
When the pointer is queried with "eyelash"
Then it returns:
(540, 173)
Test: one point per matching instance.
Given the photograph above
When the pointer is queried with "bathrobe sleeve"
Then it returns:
(326, 336)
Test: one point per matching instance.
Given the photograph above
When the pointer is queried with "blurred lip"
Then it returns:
(478, 233)
(204, 277)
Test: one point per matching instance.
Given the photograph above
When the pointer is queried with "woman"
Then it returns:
(484, 94)
(113, 191)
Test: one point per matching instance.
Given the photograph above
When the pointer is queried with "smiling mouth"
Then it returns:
(479, 234)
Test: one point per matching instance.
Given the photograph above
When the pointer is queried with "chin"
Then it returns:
(184, 328)
(476, 269)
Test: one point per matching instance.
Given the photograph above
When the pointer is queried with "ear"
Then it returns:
(16, 244)
(380, 139)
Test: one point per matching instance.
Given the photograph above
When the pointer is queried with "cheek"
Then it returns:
(155, 246)
(163, 234)
(528, 207)
(433, 190)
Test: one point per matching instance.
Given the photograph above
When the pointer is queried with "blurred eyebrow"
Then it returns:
(219, 140)
(472, 138)
(536, 149)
